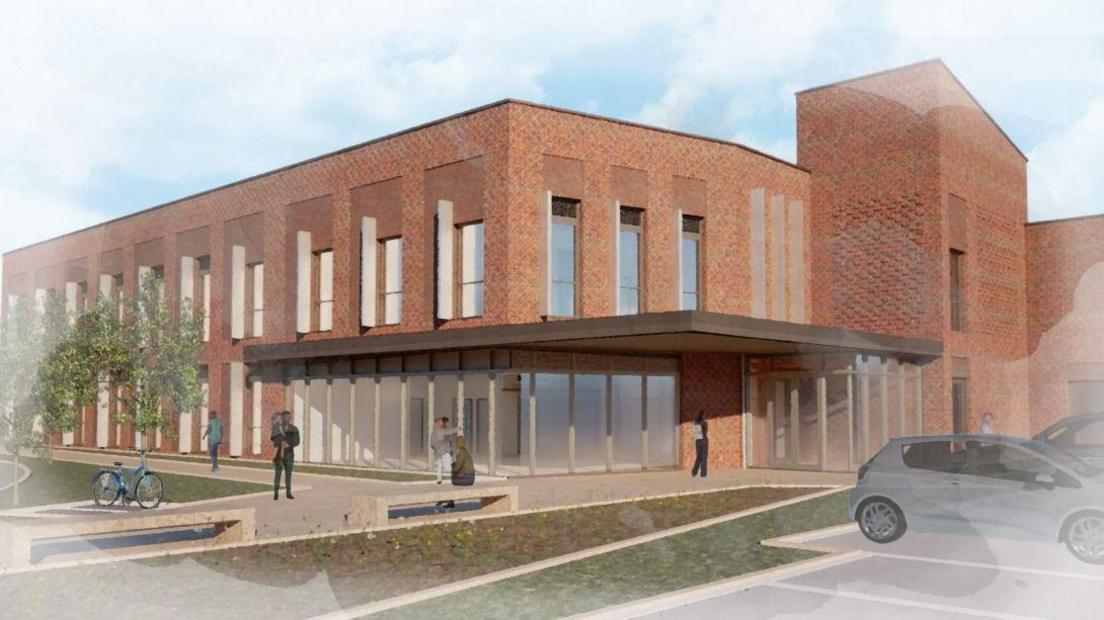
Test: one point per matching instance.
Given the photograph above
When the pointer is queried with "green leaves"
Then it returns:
(52, 364)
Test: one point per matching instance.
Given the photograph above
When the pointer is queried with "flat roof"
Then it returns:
(656, 333)
(1072, 218)
(411, 130)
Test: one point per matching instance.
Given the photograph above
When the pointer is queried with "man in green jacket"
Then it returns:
(213, 434)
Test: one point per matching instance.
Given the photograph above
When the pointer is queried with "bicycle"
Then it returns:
(146, 487)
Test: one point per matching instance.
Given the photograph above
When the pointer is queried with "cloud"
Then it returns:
(737, 43)
(783, 148)
(1064, 174)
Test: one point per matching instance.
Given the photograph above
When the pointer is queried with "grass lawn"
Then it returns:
(54, 482)
(368, 567)
(300, 468)
(684, 560)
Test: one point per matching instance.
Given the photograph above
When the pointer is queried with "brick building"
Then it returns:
(572, 290)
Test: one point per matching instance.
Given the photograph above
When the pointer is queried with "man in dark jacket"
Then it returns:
(284, 460)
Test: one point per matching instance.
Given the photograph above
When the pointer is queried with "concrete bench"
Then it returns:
(234, 525)
(373, 510)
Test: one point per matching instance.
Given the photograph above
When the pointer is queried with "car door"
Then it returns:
(932, 489)
(1000, 489)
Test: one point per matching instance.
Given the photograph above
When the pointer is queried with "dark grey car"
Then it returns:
(1081, 436)
(993, 482)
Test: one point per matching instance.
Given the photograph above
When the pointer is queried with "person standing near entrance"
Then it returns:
(442, 440)
(987, 423)
(286, 438)
(213, 434)
(700, 432)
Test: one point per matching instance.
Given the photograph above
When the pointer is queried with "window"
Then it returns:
(691, 233)
(203, 273)
(471, 270)
(628, 267)
(931, 455)
(958, 303)
(117, 294)
(324, 261)
(562, 259)
(392, 280)
(959, 404)
(254, 289)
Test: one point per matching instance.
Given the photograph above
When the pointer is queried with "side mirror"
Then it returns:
(1045, 480)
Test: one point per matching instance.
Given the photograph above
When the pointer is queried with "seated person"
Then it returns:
(463, 469)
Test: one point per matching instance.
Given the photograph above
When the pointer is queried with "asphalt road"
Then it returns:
(923, 575)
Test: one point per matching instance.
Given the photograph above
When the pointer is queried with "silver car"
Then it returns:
(984, 480)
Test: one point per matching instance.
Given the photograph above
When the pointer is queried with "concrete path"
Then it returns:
(321, 508)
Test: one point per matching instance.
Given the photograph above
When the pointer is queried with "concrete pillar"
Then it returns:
(368, 275)
(308, 413)
(444, 260)
(865, 392)
(644, 422)
(850, 416)
(532, 424)
(571, 423)
(377, 461)
(609, 422)
(352, 447)
(460, 402)
(822, 419)
(237, 292)
(431, 402)
(106, 282)
(237, 403)
(327, 417)
(303, 282)
(883, 397)
(71, 302)
(492, 423)
(187, 284)
(404, 426)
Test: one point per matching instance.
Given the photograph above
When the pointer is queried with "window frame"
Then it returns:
(957, 298)
(638, 231)
(696, 238)
(478, 281)
(385, 293)
(573, 224)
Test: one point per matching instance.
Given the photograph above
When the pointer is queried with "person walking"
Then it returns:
(286, 438)
(213, 434)
(442, 440)
(700, 432)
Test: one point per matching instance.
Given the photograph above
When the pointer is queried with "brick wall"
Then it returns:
(711, 383)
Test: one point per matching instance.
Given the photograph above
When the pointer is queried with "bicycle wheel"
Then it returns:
(105, 488)
(148, 491)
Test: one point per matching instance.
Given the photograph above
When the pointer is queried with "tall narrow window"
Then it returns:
(565, 214)
(117, 294)
(471, 270)
(392, 280)
(958, 303)
(959, 404)
(691, 237)
(628, 297)
(255, 294)
(325, 290)
(203, 278)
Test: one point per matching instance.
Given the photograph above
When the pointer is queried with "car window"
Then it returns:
(1091, 434)
(929, 455)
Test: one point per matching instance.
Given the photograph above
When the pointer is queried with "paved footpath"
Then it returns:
(322, 507)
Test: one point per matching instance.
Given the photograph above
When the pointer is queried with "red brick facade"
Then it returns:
(885, 164)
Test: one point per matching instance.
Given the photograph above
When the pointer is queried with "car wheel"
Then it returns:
(880, 520)
(1084, 537)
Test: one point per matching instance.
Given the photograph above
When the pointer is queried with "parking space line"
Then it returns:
(997, 567)
(899, 602)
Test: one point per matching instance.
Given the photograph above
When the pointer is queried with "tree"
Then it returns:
(27, 337)
(162, 355)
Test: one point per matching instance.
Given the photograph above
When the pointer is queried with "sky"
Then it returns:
(110, 108)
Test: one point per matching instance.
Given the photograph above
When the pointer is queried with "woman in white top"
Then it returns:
(700, 432)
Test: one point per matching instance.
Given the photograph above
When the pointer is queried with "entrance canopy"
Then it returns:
(688, 331)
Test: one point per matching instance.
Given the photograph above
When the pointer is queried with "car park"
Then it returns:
(991, 482)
